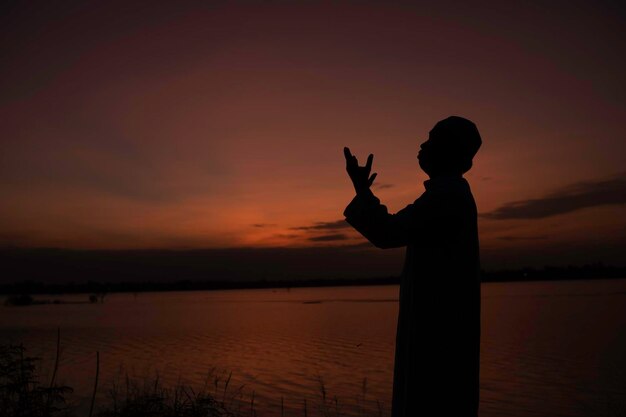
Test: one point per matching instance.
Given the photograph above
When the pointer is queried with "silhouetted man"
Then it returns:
(438, 335)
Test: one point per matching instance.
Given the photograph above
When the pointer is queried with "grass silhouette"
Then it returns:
(24, 394)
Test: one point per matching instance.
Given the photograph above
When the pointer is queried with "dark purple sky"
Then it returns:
(196, 124)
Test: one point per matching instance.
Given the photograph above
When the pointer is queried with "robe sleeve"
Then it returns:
(370, 218)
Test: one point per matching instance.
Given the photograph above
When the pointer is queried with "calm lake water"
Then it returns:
(548, 348)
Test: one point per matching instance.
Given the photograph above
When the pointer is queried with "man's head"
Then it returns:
(450, 147)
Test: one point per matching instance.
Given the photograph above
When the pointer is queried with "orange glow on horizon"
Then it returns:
(184, 126)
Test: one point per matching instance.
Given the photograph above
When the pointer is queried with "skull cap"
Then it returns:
(459, 135)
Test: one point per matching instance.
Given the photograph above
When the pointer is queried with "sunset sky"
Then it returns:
(198, 124)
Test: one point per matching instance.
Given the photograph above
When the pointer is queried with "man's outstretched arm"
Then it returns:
(368, 216)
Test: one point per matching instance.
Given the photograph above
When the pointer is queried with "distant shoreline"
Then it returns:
(569, 273)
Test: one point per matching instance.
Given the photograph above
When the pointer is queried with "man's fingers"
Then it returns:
(351, 160)
(371, 180)
(368, 164)
(346, 153)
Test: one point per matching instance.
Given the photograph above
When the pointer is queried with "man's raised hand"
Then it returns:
(360, 176)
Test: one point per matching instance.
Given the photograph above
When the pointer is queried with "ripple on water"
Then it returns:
(544, 352)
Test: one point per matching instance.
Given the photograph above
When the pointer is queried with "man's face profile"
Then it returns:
(450, 147)
(429, 153)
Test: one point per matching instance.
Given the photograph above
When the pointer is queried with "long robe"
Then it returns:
(436, 367)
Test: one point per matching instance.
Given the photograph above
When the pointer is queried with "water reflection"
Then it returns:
(547, 348)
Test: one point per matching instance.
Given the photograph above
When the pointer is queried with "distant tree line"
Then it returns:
(556, 273)
(548, 273)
